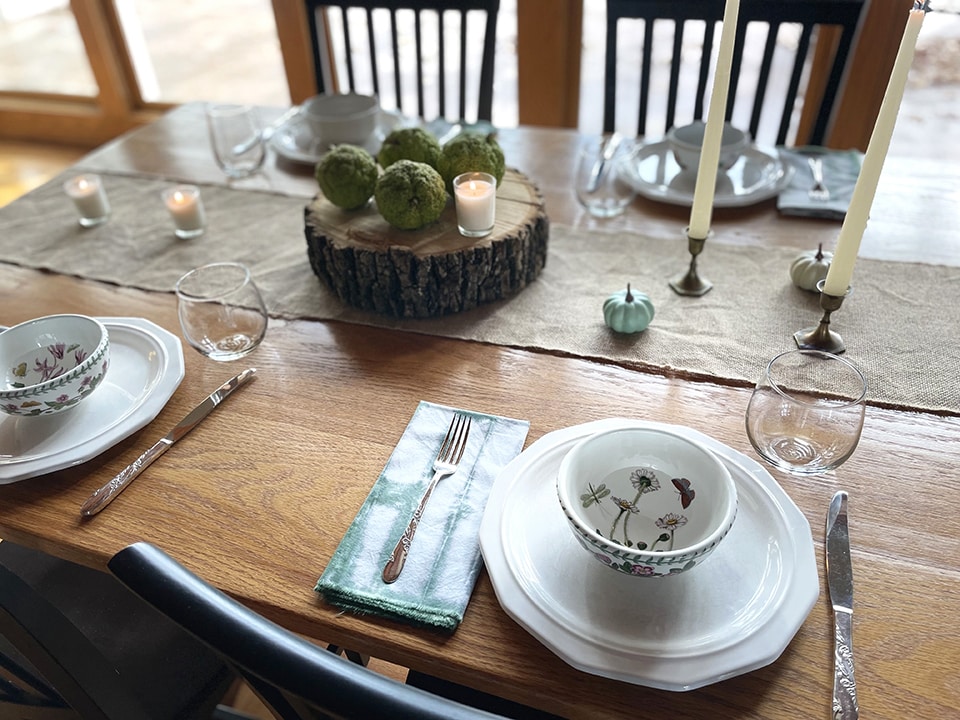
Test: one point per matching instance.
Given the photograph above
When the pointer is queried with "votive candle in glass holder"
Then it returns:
(90, 198)
(186, 208)
(475, 194)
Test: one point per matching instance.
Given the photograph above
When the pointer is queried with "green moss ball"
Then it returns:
(412, 143)
(410, 195)
(471, 152)
(347, 176)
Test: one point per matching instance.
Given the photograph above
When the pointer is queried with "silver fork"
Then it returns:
(448, 459)
(819, 192)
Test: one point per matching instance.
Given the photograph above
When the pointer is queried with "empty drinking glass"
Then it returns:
(806, 412)
(221, 312)
(236, 138)
(600, 185)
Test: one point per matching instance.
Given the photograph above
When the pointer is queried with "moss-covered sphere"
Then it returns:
(410, 143)
(410, 194)
(471, 152)
(347, 176)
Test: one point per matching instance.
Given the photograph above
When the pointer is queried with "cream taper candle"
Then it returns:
(705, 188)
(855, 222)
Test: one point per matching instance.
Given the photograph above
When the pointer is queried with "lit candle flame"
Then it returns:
(82, 185)
(473, 186)
(178, 197)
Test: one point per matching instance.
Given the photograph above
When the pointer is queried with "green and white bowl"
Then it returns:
(50, 364)
(646, 502)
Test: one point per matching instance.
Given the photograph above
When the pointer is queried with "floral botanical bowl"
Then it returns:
(51, 363)
(645, 501)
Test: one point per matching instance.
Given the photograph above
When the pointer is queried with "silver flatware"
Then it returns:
(840, 583)
(105, 495)
(448, 459)
(818, 192)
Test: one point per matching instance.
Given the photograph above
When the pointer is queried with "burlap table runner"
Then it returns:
(901, 325)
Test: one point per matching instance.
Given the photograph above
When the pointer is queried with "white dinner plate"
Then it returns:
(735, 613)
(758, 175)
(146, 367)
(294, 140)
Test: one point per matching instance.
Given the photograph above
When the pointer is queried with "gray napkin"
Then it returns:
(444, 560)
(840, 171)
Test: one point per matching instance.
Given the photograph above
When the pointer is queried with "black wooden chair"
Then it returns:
(295, 678)
(369, 38)
(809, 16)
(76, 644)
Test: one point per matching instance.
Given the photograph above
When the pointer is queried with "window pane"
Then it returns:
(41, 49)
(205, 50)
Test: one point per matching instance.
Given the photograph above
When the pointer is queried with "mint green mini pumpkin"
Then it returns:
(809, 268)
(628, 312)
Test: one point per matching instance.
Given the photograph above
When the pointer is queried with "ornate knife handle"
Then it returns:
(844, 684)
(102, 497)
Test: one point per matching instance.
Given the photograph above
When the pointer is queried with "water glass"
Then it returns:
(600, 185)
(236, 137)
(806, 412)
(222, 314)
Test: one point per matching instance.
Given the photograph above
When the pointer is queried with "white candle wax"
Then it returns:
(475, 195)
(88, 196)
(855, 222)
(185, 207)
(702, 209)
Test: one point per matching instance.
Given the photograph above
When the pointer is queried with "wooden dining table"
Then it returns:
(257, 498)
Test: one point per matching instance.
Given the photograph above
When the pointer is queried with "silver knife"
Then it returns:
(840, 582)
(105, 495)
(608, 150)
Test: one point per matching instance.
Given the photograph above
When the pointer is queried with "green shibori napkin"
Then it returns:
(841, 168)
(444, 560)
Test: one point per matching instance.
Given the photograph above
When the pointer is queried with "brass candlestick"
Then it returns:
(822, 337)
(690, 283)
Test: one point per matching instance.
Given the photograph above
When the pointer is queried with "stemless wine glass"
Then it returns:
(600, 186)
(236, 138)
(806, 412)
(221, 311)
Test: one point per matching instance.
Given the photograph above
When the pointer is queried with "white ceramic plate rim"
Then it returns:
(79, 442)
(284, 140)
(769, 620)
(774, 172)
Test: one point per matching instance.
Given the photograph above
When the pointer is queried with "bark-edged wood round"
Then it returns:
(432, 271)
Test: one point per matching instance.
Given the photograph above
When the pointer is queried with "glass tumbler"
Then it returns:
(222, 314)
(599, 181)
(806, 412)
(236, 137)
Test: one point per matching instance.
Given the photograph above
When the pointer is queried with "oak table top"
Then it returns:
(256, 499)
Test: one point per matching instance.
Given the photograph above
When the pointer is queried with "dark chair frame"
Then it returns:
(845, 14)
(462, 7)
(294, 677)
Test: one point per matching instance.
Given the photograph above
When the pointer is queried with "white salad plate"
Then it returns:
(735, 613)
(146, 367)
(759, 174)
(296, 142)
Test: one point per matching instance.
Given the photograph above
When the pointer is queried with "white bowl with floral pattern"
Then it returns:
(646, 502)
(50, 364)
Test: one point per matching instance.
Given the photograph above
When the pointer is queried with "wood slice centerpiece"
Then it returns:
(432, 271)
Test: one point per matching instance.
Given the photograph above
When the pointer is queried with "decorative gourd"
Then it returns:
(809, 268)
(628, 312)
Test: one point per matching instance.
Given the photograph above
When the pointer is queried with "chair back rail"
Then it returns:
(365, 73)
(809, 15)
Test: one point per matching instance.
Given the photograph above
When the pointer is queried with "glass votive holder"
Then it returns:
(89, 197)
(186, 208)
(475, 195)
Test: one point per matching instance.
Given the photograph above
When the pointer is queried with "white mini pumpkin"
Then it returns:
(809, 268)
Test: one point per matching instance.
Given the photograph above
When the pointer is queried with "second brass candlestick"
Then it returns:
(822, 337)
(690, 282)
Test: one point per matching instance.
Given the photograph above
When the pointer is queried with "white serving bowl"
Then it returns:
(51, 363)
(342, 118)
(646, 502)
(685, 142)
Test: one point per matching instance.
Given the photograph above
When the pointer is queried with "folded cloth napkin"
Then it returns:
(840, 171)
(438, 578)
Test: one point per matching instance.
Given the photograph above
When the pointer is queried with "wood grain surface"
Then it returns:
(257, 497)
